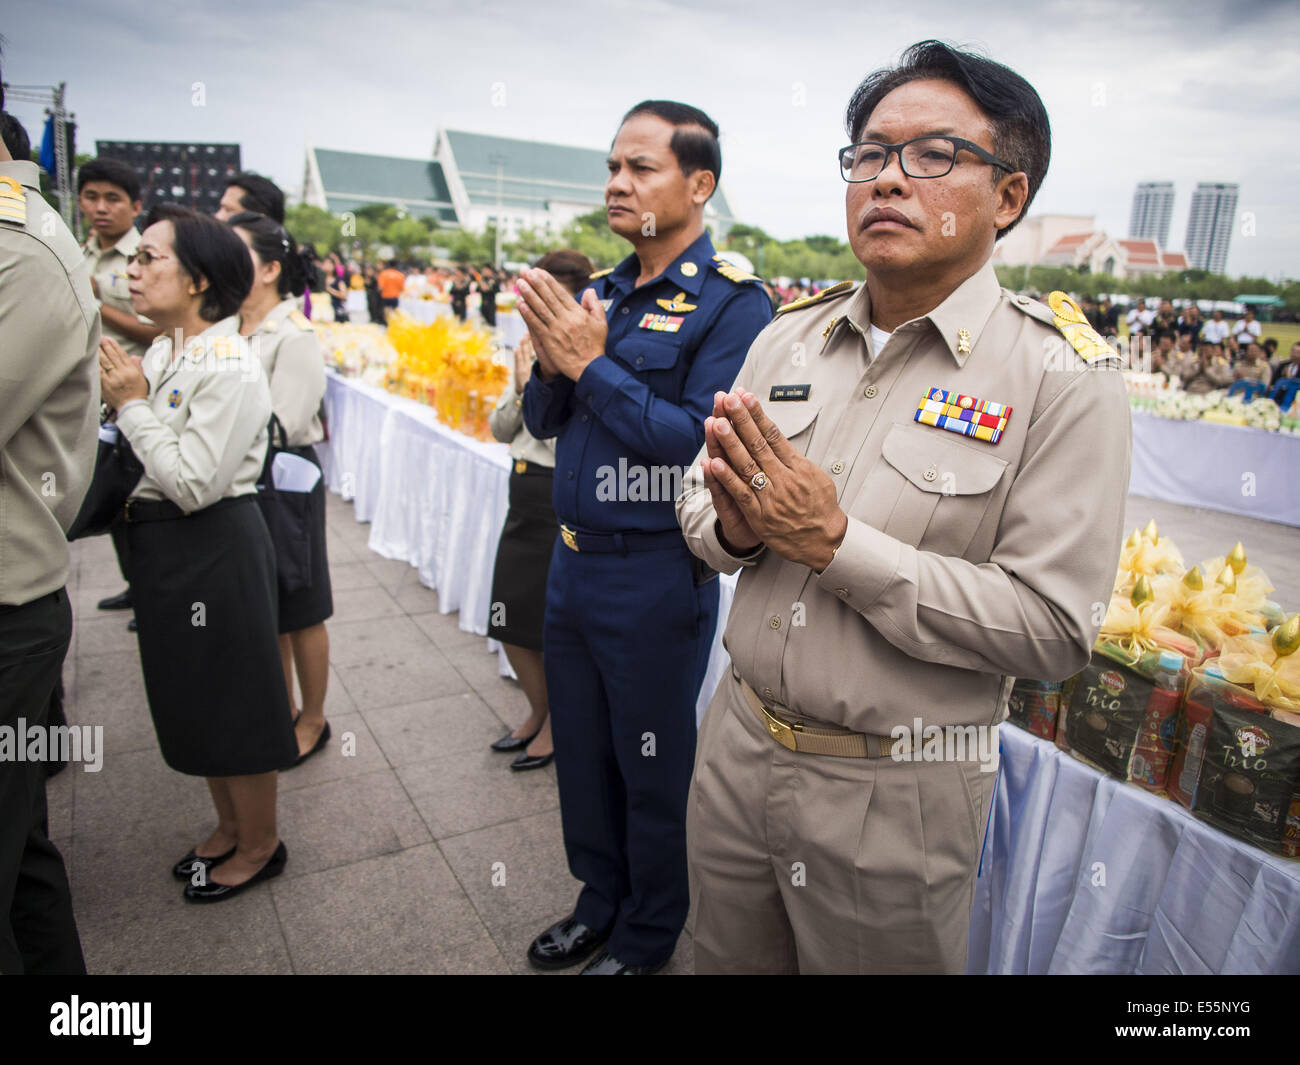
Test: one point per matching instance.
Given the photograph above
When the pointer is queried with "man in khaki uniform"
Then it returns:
(108, 195)
(896, 568)
(49, 406)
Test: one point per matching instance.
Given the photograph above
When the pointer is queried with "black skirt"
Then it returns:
(313, 603)
(204, 592)
(518, 608)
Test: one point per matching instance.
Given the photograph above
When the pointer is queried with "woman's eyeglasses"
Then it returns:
(144, 257)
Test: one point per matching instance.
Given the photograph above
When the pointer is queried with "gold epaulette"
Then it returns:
(841, 289)
(13, 202)
(300, 320)
(597, 274)
(1069, 318)
(732, 272)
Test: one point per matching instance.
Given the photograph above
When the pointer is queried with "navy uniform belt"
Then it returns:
(140, 510)
(524, 468)
(620, 543)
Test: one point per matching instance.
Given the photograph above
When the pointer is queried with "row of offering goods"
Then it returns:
(1192, 692)
(357, 350)
(450, 365)
(1259, 413)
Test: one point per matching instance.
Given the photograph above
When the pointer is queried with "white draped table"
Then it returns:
(1233, 468)
(1081, 873)
(436, 499)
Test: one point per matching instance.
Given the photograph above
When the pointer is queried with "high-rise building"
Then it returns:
(1153, 208)
(1209, 226)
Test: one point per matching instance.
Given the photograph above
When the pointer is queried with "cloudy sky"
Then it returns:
(1202, 90)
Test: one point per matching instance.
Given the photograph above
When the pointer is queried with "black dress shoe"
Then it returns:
(565, 944)
(531, 761)
(184, 869)
(319, 745)
(116, 602)
(131, 626)
(211, 892)
(510, 742)
(605, 964)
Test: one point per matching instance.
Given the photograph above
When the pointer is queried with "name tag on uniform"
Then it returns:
(981, 418)
(661, 323)
(788, 392)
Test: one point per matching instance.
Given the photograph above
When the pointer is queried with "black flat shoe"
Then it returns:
(531, 761)
(510, 742)
(116, 602)
(184, 869)
(605, 964)
(131, 626)
(211, 892)
(319, 745)
(565, 944)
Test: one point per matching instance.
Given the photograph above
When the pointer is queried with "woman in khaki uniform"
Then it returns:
(284, 341)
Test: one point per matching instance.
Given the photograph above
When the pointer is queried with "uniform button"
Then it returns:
(571, 475)
(869, 391)
(774, 621)
(837, 467)
(1022, 300)
(930, 474)
(843, 593)
(584, 417)
(640, 359)
(624, 310)
(767, 693)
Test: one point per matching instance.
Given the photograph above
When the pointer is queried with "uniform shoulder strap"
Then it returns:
(597, 274)
(732, 272)
(13, 202)
(834, 292)
(1070, 320)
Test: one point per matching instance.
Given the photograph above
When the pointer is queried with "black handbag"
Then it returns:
(288, 517)
(117, 472)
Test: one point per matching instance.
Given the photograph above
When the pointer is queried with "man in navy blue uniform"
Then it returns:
(625, 379)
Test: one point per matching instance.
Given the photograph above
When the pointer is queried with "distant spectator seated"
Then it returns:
(1190, 324)
(1252, 366)
(1163, 353)
(1139, 319)
(1212, 371)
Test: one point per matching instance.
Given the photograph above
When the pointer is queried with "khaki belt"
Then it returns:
(809, 740)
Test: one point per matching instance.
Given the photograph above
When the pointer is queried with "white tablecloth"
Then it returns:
(1084, 874)
(436, 499)
(1245, 471)
(356, 306)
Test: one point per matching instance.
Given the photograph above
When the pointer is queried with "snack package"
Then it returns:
(1034, 705)
(1122, 714)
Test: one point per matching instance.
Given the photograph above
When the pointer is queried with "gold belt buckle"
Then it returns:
(126, 510)
(521, 466)
(569, 538)
(783, 733)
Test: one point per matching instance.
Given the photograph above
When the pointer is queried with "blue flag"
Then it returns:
(47, 145)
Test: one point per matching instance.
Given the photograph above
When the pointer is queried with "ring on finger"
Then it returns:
(758, 481)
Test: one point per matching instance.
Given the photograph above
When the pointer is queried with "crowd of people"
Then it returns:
(1202, 353)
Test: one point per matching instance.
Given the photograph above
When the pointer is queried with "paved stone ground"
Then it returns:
(391, 851)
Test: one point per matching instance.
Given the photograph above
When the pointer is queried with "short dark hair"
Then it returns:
(261, 195)
(570, 268)
(273, 244)
(695, 136)
(15, 136)
(1022, 134)
(210, 250)
(114, 171)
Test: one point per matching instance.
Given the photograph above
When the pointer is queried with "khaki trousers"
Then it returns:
(804, 863)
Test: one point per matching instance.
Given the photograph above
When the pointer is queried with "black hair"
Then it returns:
(14, 136)
(273, 244)
(260, 195)
(114, 171)
(208, 249)
(570, 268)
(695, 136)
(1022, 134)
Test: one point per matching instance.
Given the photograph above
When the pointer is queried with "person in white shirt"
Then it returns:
(203, 583)
(1216, 329)
(1246, 330)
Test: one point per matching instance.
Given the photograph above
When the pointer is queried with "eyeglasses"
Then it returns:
(921, 157)
(144, 258)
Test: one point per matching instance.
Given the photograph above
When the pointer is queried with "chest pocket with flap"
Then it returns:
(795, 420)
(939, 489)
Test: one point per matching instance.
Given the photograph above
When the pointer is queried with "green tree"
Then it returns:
(315, 226)
(404, 234)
